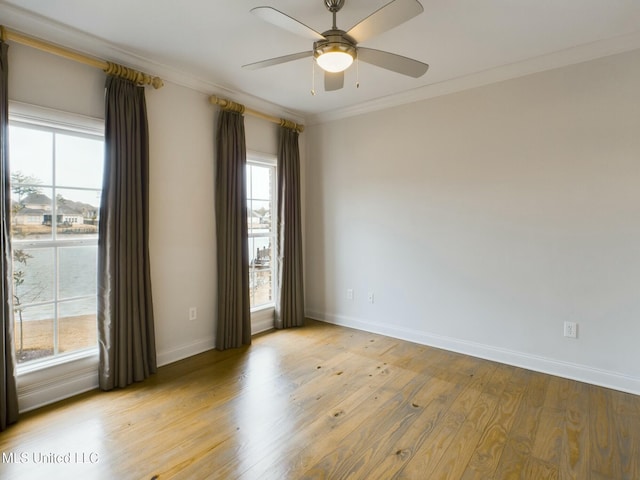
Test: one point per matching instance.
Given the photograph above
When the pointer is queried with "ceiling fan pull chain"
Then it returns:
(357, 71)
(313, 76)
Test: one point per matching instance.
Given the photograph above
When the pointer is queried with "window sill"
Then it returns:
(47, 381)
(56, 361)
(262, 318)
(260, 308)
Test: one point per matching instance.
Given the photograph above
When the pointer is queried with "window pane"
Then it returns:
(261, 271)
(262, 293)
(261, 183)
(252, 282)
(250, 216)
(33, 275)
(262, 250)
(79, 161)
(34, 332)
(77, 271)
(77, 213)
(31, 212)
(261, 216)
(31, 155)
(252, 251)
(77, 328)
(54, 285)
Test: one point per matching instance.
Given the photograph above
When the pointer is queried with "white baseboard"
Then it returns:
(37, 388)
(184, 351)
(582, 373)
(43, 386)
(262, 320)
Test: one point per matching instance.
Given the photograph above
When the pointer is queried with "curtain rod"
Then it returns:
(236, 107)
(108, 67)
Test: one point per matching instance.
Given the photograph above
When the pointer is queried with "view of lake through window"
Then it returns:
(56, 180)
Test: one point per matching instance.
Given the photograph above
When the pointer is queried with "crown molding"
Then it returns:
(38, 26)
(561, 58)
(54, 32)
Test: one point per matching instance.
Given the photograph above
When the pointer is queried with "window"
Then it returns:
(261, 228)
(56, 177)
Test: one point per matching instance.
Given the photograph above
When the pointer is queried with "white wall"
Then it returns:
(483, 220)
(182, 215)
(182, 220)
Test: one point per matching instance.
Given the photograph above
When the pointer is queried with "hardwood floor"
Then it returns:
(326, 402)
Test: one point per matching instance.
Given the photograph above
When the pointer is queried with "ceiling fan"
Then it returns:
(335, 50)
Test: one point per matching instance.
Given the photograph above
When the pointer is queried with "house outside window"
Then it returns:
(261, 178)
(56, 180)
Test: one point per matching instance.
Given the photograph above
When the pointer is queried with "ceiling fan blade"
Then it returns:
(393, 62)
(385, 18)
(284, 21)
(277, 60)
(333, 81)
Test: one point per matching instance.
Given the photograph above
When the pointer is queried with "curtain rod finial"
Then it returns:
(157, 83)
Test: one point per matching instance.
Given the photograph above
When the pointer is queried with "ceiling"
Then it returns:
(465, 42)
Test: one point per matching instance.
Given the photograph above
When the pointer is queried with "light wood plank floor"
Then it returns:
(326, 402)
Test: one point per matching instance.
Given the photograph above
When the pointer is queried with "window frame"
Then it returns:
(47, 119)
(261, 159)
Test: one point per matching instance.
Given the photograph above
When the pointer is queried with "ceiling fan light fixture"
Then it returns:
(334, 61)
(335, 54)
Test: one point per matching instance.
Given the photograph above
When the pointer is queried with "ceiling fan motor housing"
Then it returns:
(334, 5)
(335, 41)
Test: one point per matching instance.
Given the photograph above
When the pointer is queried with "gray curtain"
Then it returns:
(8, 390)
(125, 312)
(234, 318)
(289, 277)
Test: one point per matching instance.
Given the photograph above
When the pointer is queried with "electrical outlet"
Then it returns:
(349, 293)
(370, 297)
(193, 313)
(571, 329)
